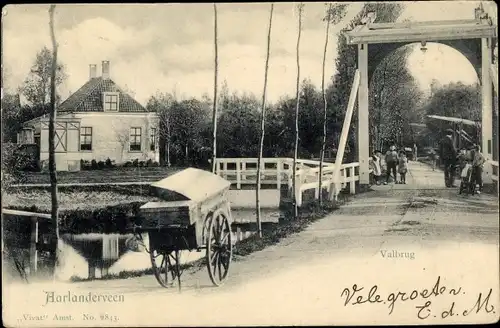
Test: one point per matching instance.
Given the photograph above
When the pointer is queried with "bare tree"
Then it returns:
(216, 71)
(294, 176)
(262, 123)
(52, 161)
(122, 136)
(334, 14)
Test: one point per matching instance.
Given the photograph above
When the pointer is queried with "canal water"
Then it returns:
(115, 253)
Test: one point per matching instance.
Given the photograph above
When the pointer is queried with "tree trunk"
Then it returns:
(52, 162)
(168, 153)
(323, 142)
(294, 177)
(262, 125)
(214, 114)
(168, 142)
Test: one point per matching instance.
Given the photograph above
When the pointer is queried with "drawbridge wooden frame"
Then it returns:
(481, 28)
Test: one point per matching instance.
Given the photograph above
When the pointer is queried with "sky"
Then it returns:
(169, 47)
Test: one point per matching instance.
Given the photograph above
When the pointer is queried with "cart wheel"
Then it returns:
(164, 267)
(219, 248)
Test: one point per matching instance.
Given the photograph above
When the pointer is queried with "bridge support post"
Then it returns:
(278, 174)
(238, 175)
(363, 116)
(487, 106)
(33, 246)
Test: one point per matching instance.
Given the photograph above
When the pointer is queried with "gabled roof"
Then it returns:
(89, 98)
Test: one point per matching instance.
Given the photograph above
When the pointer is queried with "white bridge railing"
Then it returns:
(279, 172)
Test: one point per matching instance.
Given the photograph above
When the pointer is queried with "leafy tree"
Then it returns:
(11, 111)
(161, 103)
(36, 86)
(394, 101)
(454, 100)
(188, 121)
(239, 126)
(346, 65)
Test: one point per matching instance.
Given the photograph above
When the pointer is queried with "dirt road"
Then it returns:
(398, 238)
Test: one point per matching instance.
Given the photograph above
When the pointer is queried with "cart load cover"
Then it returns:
(190, 184)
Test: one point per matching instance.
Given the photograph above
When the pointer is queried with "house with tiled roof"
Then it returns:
(97, 122)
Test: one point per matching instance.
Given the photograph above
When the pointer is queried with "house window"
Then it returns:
(110, 102)
(135, 139)
(85, 138)
(152, 139)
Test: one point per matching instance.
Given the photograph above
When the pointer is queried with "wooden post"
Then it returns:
(352, 186)
(91, 268)
(244, 168)
(217, 166)
(224, 169)
(487, 97)
(262, 169)
(104, 270)
(363, 116)
(298, 192)
(317, 189)
(238, 174)
(33, 246)
(345, 132)
(278, 174)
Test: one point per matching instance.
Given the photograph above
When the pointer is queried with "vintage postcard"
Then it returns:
(254, 164)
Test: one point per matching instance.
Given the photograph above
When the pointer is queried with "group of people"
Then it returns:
(396, 162)
(470, 162)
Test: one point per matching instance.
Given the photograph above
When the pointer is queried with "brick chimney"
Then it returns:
(92, 71)
(105, 69)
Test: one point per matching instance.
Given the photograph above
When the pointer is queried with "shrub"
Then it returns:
(135, 163)
(142, 164)
(85, 165)
(156, 164)
(108, 163)
(15, 158)
(101, 165)
(149, 163)
(94, 165)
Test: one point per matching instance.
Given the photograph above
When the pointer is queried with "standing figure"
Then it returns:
(391, 160)
(478, 161)
(462, 159)
(448, 154)
(433, 158)
(376, 167)
(403, 166)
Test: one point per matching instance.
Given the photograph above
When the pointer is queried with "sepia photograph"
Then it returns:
(250, 164)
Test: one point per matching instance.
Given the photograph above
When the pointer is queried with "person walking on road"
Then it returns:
(391, 160)
(448, 154)
(403, 166)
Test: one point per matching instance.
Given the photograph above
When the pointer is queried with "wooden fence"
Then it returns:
(279, 172)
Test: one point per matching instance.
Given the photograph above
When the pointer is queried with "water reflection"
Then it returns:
(98, 255)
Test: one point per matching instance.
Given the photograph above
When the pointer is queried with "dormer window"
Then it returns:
(111, 100)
